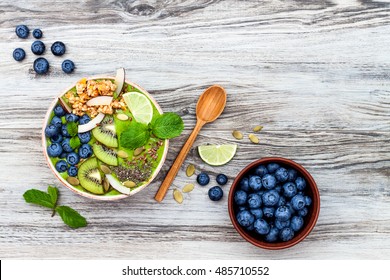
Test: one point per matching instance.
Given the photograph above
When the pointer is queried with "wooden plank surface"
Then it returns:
(315, 74)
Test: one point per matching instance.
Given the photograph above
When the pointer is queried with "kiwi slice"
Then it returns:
(105, 154)
(105, 133)
(90, 176)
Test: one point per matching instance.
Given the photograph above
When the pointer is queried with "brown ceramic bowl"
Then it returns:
(309, 220)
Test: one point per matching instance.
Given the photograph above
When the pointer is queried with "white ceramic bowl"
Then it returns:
(85, 193)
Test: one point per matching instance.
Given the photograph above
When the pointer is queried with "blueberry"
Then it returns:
(261, 226)
(66, 145)
(271, 167)
(63, 155)
(244, 184)
(71, 118)
(85, 137)
(270, 198)
(19, 54)
(268, 212)
(67, 66)
(245, 218)
(64, 131)
(215, 193)
(282, 201)
(282, 213)
(222, 179)
(72, 171)
(59, 111)
(56, 138)
(281, 174)
(296, 223)
(61, 166)
(258, 213)
(84, 119)
(254, 200)
(289, 189)
(292, 175)
(273, 235)
(203, 179)
(298, 202)
(300, 183)
(255, 182)
(85, 151)
(22, 31)
(240, 197)
(308, 200)
(51, 130)
(37, 33)
(286, 234)
(261, 170)
(269, 181)
(303, 212)
(41, 66)
(56, 121)
(38, 47)
(282, 224)
(58, 48)
(73, 158)
(54, 150)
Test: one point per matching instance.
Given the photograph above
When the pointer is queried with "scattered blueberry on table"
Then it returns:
(41, 65)
(203, 179)
(272, 202)
(37, 33)
(221, 179)
(215, 193)
(38, 47)
(22, 31)
(58, 48)
(19, 54)
(67, 66)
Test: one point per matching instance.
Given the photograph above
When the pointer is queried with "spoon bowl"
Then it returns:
(209, 107)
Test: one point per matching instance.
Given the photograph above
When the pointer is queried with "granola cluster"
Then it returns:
(88, 89)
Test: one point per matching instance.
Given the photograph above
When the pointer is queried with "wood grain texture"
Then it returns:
(315, 74)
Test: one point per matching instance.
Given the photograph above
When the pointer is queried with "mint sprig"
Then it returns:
(49, 200)
(165, 126)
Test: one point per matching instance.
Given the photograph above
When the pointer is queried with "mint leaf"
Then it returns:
(71, 217)
(74, 142)
(39, 197)
(167, 126)
(53, 192)
(135, 136)
(72, 128)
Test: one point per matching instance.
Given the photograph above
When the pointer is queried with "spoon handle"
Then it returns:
(178, 162)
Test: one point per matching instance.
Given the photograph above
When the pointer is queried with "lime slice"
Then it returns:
(217, 154)
(140, 106)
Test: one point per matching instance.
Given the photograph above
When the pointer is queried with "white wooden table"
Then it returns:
(315, 74)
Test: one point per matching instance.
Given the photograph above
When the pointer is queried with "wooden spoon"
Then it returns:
(209, 107)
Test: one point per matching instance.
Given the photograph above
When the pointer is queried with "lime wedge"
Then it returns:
(217, 154)
(139, 106)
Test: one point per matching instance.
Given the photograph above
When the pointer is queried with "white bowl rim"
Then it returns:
(84, 193)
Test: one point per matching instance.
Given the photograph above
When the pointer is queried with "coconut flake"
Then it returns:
(117, 185)
(119, 81)
(100, 100)
(91, 124)
(65, 105)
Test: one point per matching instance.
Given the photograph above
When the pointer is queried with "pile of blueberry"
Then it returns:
(215, 193)
(41, 65)
(65, 143)
(272, 202)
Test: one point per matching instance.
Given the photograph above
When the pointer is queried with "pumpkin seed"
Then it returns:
(257, 128)
(178, 196)
(190, 170)
(188, 188)
(237, 134)
(73, 181)
(122, 154)
(138, 151)
(105, 169)
(253, 138)
(129, 184)
(122, 117)
(106, 184)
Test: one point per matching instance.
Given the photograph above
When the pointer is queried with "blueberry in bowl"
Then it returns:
(282, 211)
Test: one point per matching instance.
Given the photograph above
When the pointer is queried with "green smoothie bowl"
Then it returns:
(86, 136)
